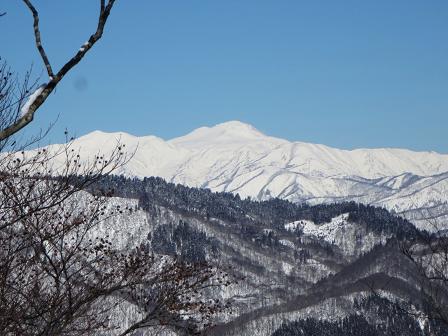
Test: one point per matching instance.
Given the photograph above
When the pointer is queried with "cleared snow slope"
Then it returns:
(236, 157)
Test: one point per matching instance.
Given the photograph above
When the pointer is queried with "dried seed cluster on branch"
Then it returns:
(58, 277)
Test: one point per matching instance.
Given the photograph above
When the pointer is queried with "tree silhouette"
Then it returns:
(58, 275)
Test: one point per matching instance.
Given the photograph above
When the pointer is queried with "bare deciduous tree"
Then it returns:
(58, 276)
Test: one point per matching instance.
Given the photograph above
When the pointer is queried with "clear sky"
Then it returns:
(343, 73)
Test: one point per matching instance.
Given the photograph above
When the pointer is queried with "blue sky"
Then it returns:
(343, 73)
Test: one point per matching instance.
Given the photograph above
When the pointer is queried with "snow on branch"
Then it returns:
(31, 99)
(41, 94)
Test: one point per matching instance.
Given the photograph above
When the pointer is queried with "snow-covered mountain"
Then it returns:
(235, 157)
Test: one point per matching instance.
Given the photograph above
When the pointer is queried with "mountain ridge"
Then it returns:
(236, 157)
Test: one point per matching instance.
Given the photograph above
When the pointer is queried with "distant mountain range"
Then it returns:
(237, 158)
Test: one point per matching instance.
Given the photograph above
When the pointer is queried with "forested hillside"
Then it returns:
(292, 260)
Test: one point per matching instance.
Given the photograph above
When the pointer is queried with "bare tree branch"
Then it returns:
(102, 19)
(38, 39)
(28, 115)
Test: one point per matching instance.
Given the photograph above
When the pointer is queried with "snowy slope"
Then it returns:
(236, 157)
(348, 236)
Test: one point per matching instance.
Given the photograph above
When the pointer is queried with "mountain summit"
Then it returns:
(228, 133)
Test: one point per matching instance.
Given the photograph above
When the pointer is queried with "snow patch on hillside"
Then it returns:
(326, 231)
